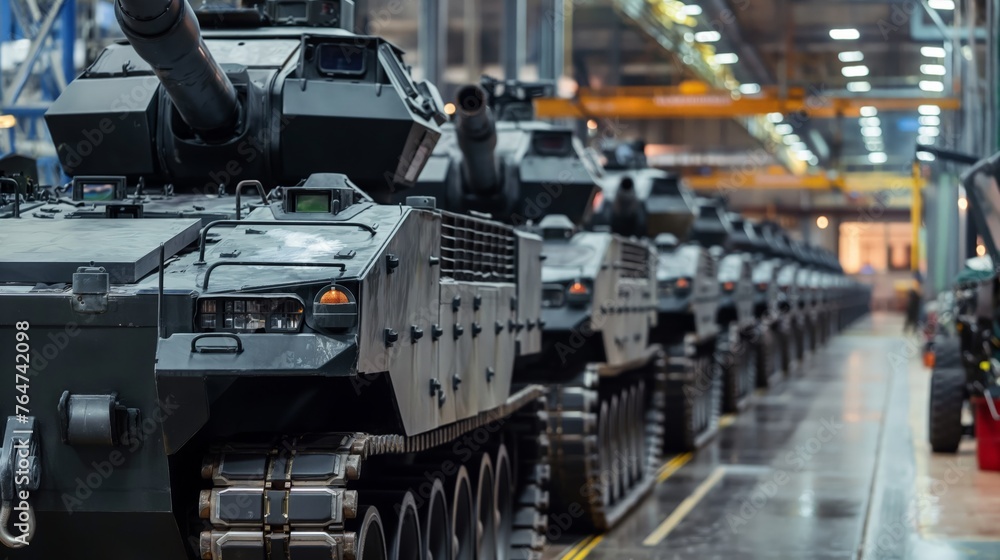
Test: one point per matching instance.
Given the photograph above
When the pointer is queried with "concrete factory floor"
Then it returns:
(833, 463)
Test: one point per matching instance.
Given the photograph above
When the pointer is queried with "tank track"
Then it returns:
(596, 482)
(694, 398)
(299, 498)
(737, 359)
(769, 357)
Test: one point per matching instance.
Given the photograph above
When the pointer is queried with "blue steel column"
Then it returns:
(67, 33)
(514, 37)
(553, 22)
(433, 38)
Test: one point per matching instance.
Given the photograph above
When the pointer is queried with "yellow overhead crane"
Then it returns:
(776, 178)
(696, 100)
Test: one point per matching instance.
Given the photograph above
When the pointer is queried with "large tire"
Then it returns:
(947, 398)
(947, 352)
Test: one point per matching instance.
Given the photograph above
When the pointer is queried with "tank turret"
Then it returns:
(656, 201)
(199, 100)
(496, 159)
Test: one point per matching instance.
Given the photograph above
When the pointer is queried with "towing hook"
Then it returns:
(19, 475)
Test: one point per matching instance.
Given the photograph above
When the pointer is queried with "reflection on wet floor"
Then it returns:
(833, 463)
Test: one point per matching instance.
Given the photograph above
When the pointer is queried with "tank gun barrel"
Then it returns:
(166, 34)
(476, 130)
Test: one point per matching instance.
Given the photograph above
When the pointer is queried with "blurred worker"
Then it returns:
(912, 307)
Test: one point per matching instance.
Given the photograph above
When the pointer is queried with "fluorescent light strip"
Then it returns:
(854, 71)
(851, 56)
(844, 34)
(933, 52)
(941, 4)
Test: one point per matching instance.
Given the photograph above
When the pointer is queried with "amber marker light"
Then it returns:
(333, 297)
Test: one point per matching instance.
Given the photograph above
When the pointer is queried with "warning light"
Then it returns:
(449, 108)
(728, 286)
(598, 201)
(578, 289)
(592, 124)
(682, 283)
(334, 297)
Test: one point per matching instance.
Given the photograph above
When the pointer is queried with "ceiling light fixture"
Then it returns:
(871, 131)
(929, 110)
(929, 131)
(932, 69)
(933, 52)
(929, 121)
(691, 10)
(707, 36)
(859, 87)
(851, 56)
(726, 58)
(941, 4)
(783, 129)
(925, 156)
(878, 157)
(749, 89)
(844, 34)
(868, 111)
(928, 85)
(854, 71)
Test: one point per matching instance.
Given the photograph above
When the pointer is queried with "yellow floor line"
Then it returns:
(583, 548)
(678, 515)
(590, 546)
(569, 554)
(672, 466)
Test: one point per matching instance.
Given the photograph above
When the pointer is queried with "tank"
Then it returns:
(604, 374)
(736, 350)
(300, 372)
(767, 263)
(687, 286)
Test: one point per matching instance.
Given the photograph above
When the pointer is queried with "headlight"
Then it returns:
(553, 295)
(674, 286)
(255, 314)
